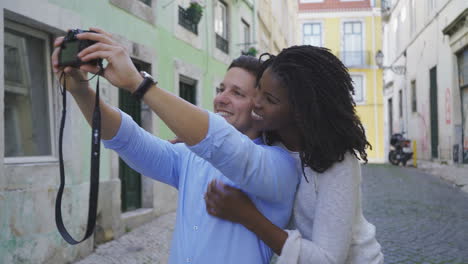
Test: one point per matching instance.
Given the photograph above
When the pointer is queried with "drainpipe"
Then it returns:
(254, 33)
(376, 121)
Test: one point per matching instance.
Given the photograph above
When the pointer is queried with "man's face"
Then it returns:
(234, 99)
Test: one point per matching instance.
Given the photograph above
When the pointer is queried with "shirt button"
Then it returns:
(188, 260)
(195, 227)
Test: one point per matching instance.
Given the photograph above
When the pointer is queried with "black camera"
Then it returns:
(71, 46)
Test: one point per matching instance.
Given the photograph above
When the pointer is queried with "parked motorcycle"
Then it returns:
(400, 149)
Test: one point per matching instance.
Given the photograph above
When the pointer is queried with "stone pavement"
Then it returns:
(147, 244)
(420, 219)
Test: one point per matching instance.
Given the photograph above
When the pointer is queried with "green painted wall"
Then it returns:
(37, 241)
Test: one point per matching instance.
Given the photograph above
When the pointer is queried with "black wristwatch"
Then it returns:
(147, 82)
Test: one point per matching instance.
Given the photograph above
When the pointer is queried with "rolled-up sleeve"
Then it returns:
(265, 171)
(145, 153)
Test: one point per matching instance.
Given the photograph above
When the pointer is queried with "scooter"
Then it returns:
(400, 149)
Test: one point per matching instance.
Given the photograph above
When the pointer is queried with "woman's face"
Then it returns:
(272, 108)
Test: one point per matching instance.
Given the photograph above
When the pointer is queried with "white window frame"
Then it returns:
(51, 102)
(363, 78)
(190, 71)
(189, 81)
(322, 32)
(363, 30)
(311, 1)
(412, 16)
(245, 25)
(431, 6)
(226, 22)
(218, 53)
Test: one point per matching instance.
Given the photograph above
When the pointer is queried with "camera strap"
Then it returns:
(94, 176)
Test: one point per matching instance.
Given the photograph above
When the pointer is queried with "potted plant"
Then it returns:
(252, 51)
(194, 12)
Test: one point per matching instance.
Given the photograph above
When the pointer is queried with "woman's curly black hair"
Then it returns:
(320, 91)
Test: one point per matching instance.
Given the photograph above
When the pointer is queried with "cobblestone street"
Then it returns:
(420, 219)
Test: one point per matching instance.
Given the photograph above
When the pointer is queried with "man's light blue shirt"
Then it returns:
(267, 174)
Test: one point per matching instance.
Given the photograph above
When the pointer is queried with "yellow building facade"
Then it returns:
(352, 31)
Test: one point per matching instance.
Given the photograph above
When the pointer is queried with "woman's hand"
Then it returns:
(229, 203)
(120, 70)
(176, 140)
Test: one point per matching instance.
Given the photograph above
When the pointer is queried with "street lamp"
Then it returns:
(379, 56)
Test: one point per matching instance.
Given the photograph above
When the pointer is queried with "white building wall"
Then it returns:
(419, 51)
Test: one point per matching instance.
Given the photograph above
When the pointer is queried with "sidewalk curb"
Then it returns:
(458, 176)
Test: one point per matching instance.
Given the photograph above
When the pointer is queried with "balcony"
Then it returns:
(386, 9)
(186, 22)
(355, 59)
(222, 44)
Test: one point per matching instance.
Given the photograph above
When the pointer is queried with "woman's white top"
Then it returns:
(327, 224)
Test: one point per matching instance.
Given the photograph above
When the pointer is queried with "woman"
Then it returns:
(327, 138)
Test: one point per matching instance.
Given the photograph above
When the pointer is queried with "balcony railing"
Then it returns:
(355, 59)
(186, 22)
(222, 44)
(386, 9)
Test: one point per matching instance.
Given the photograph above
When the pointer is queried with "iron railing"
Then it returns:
(222, 44)
(186, 22)
(355, 59)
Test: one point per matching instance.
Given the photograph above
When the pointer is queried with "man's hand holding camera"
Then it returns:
(119, 71)
(77, 82)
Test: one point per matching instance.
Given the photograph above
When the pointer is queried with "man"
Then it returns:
(208, 154)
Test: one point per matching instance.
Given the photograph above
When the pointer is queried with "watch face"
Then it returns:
(146, 75)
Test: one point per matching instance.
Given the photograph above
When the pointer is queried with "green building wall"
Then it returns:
(27, 228)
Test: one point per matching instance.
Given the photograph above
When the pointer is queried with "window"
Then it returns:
(312, 34)
(311, 1)
(140, 8)
(412, 14)
(221, 27)
(431, 5)
(353, 54)
(28, 102)
(398, 36)
(400, 103)
(186, 22)
(245, 35)
(414, 103)
(188, 89)
(386, 5)
(358, 88)
(147, 2)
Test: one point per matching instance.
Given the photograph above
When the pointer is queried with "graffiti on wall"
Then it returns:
(448, 106)
(423, 131)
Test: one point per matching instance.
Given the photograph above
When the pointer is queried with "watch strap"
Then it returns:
(144, 86)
